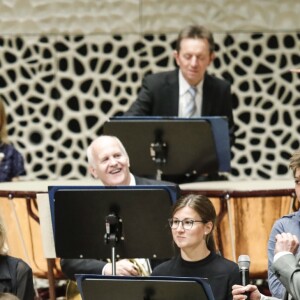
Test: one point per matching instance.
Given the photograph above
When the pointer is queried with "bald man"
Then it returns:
(108, 162)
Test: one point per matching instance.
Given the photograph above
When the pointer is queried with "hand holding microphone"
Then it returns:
(244, 266)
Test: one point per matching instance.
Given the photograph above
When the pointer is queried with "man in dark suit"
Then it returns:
(108, 162)
(168, 93)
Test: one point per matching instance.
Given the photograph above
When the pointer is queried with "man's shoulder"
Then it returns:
(162, 75)
(212, 79)
(292, 216)
(147, 181)
(286, 223)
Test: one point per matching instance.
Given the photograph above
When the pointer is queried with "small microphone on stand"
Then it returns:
(244, 266)
(111, 228)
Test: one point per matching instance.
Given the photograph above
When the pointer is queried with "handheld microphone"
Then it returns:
(244, 266)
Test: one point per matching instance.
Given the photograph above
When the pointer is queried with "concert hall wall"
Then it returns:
(67, 66)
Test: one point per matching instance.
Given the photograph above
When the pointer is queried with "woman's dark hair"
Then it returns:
(204, 208)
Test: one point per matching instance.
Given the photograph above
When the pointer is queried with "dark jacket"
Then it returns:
(159, 96)
(16, 277)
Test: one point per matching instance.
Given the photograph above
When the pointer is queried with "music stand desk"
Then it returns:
(173, 146)
(79, 216)
(94, 287)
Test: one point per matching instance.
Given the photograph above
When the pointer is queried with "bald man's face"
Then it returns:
(111, 164)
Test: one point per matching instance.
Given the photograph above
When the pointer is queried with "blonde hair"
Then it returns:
(3, 130)
(295, 161)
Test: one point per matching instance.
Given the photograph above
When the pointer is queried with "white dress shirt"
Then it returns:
(184, 87)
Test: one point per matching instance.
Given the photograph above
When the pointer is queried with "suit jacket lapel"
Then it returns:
(171, 92)
(207, 94)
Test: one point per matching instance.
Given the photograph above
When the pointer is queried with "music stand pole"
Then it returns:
(159, 153)
(113, 260)
(113, 226)
(158, 174)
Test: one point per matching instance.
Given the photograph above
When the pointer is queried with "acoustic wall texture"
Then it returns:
(68, 66)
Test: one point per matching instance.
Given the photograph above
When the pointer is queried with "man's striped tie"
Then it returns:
(190, 107)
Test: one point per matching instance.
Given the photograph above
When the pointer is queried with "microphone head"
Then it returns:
(244, 262)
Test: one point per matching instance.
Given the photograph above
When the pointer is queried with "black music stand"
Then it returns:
(138, 288)
(112, 222)
(173, 146)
